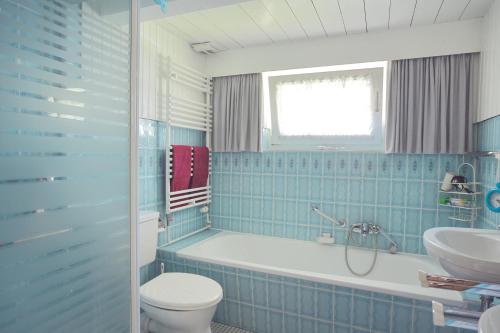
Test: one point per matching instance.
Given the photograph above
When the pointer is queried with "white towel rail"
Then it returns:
(182, 199)
(186, 113)
(188, 126)
(189, 102)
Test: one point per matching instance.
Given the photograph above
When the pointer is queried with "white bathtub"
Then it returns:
(393, 274)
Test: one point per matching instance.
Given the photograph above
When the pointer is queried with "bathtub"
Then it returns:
(394, 274)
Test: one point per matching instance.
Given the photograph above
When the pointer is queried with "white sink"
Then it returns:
(466, 253)
(490, 321)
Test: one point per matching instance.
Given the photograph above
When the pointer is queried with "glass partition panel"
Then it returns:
(64, 168)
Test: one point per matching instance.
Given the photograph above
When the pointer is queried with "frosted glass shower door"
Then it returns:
(64, 168)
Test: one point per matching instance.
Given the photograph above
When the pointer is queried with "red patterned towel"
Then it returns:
(201, 158)
(181, 168)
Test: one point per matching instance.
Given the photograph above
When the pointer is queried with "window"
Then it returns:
(338, 107)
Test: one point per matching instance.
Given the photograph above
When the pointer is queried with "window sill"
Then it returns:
(320, 148)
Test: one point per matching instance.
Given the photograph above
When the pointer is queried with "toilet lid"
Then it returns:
(181, 291)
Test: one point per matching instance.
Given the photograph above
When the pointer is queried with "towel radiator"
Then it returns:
(187, 113)
(187, 198)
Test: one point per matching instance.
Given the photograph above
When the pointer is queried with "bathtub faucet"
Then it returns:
(364, 229)
(367, 228)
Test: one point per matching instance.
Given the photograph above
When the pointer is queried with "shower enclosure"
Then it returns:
(67, 166)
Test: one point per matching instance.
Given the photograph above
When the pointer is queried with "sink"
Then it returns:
(490, 321)
(466, 253)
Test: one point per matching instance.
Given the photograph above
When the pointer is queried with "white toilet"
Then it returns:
(174, 302)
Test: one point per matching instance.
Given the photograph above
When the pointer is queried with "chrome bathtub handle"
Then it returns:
(340, 223)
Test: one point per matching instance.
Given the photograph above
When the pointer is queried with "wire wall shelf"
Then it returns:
(464, 199)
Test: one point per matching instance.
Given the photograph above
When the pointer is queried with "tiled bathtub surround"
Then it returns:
(152, 136)
(266, 303)
(271, 193)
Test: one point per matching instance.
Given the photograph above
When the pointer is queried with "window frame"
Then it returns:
(279, 142)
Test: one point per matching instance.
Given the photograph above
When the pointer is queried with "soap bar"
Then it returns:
(326, 238)
(460, 202)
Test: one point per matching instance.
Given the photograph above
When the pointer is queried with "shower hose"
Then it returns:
(375, 248)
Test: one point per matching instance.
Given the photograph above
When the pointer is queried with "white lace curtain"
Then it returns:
(340, 105)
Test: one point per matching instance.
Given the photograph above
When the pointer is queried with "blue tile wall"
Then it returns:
(488, 134)
(148, 272)
(271, 193)
(265, 303)
(152, 135)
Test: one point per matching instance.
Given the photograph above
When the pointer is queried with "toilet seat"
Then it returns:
(181, 292)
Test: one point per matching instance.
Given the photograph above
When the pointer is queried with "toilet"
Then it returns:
(173, 302)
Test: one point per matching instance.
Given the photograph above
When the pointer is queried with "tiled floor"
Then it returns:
(220, 328)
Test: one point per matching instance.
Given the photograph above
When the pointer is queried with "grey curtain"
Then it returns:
(237, 113)
(431, 104)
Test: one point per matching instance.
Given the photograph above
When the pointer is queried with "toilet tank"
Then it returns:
(148, 237)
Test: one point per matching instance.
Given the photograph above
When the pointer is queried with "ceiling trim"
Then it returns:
(423, 41)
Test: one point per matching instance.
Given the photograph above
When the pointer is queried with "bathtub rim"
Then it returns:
(452, 297)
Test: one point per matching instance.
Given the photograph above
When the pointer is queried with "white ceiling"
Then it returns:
(271, 21)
